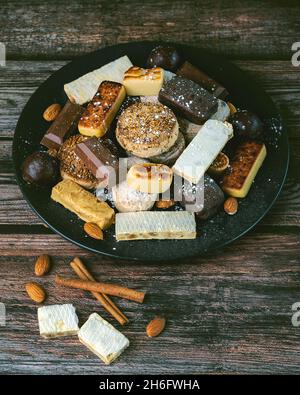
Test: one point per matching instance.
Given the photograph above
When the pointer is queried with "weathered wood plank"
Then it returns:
(67, 29)
(230, 312)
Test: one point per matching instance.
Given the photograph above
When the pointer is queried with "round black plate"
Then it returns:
(217, 232)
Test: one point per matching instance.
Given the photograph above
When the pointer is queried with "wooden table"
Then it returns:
(228, 312)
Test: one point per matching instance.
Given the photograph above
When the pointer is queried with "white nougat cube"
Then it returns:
(57, 320)
(102, 338)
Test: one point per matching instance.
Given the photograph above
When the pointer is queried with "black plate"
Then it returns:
(217, 232)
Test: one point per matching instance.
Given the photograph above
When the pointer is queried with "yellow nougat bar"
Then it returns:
(246, 163)
(101, 111)
(83, 203)
(143, 82)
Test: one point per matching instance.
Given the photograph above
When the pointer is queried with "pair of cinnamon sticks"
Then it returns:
(100, 290)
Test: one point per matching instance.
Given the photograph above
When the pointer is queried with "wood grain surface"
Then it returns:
(64, 29)
(227, 312)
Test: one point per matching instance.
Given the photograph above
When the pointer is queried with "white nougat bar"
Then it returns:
(102, 338)
(57, 320)
(84, 88)
(202, 150)
(155, 225)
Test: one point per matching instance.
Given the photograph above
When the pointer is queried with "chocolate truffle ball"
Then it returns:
(40, 169)
(166, 57)
(246, 125)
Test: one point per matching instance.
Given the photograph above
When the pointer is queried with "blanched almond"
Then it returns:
(42, 265)
(231, 206)
(36, 292)
(164, 203)
(93, 230)
(155, 326)
(52, 112)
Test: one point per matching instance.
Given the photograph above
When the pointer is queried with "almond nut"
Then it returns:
(155, 326)
(42, 265)
(93, 230)
(232, 108)
(231, 206)
(164, 203)
(35, 292)
(52, 112)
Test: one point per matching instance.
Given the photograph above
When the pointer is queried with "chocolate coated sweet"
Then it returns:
(188, 99)
(40, 169)
(64, 124)
(246, 125)
(98, 157)
(191, 72)
(204, 198)
(166, 57)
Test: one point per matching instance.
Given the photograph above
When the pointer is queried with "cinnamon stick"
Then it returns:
(82, 272)
(109, 289)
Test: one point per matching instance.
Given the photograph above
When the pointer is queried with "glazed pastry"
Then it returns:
(102, 109)
(188, 99)
(187, 70)
(66, 121)
(170, 157)
(150, 177)
(164, 56)
(72, 167)
(99, 159)
(202, 151)
(243, 169)
(146, 129)
(155, 225)
(204, 198)
(143, 82)
(219, 165)
(84, 88)
(127, 199)
(84, 204)
(40, 169)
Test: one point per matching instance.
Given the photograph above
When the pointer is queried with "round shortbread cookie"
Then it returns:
(147, 129)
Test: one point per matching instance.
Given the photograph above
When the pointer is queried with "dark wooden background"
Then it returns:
(229, 312)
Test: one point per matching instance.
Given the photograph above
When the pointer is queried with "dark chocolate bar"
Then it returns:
(187, 70)
(188, 99)
(98, 157)
(65, 123)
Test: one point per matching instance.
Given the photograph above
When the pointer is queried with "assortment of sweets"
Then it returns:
(168, 125)
(170, 121)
